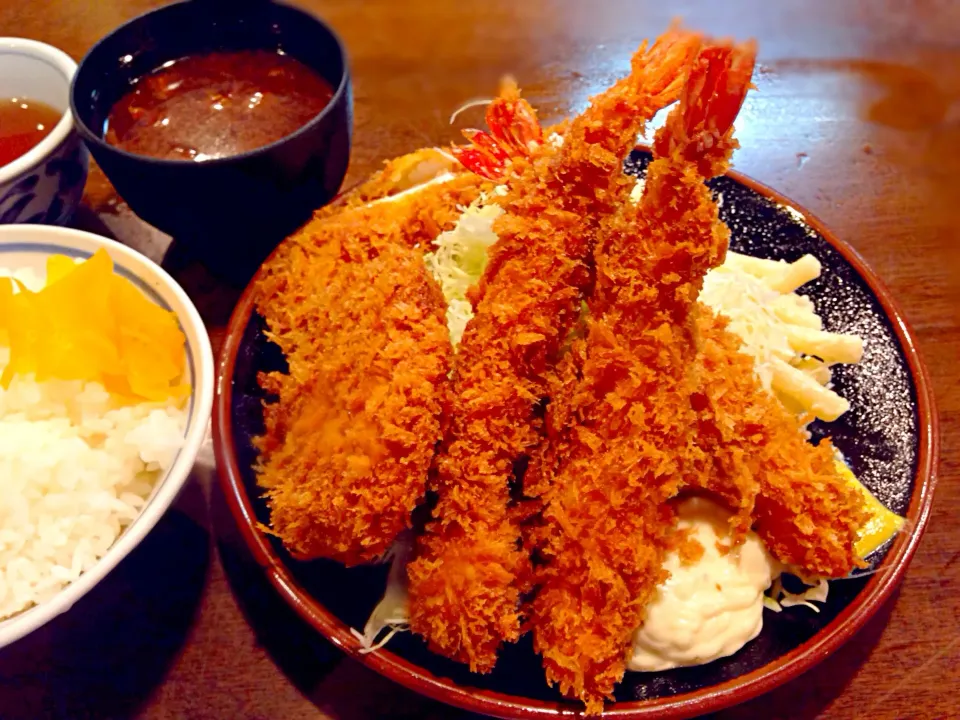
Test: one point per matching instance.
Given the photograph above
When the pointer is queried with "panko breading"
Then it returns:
(805, 511)
(396, 176)
(415, 216)
(463, 581)
(348, 443)
(470, 569)
(626, 448)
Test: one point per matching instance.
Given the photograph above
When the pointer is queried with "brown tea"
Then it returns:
(23, 124)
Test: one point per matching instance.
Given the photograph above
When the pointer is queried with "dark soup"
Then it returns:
(23, 124)
(211, 106)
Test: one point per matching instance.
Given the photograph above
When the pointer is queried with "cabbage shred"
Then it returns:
(460, 259)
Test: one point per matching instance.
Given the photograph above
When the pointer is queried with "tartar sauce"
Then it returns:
(708, 609)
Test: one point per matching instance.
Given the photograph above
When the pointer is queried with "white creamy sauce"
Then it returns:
(710, 608)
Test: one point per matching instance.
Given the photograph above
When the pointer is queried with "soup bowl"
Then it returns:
(44, 185)
(239, 205)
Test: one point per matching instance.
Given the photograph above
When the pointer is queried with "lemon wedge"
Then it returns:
(883, 523)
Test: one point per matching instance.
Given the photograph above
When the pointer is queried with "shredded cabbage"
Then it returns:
(460, 259)
(778, 597)
(749, 302)
(390, 614)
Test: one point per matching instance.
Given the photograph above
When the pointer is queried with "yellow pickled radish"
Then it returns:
(89, 323)
(57, 332)
(58, 266)
(6, 300)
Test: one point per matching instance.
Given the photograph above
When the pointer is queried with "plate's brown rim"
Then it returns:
(740, 689)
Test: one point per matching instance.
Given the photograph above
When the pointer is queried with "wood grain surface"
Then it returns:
(856, 116)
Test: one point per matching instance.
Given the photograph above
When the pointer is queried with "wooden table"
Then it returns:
(856, 117)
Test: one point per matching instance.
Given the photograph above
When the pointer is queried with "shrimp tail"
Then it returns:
(513, 121)
(701, 130)
(514, 132)
(615, 116)
(665, 65)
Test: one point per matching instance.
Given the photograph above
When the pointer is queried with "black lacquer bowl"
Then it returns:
(889, 437)
(235, 208)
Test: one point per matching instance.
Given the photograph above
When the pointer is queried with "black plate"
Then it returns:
(880, 437)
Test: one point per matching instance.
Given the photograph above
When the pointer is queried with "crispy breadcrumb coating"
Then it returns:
(807, 514)
(349, 442)
(347, 445)
(416, 217)
(626, 448)
(470, 569)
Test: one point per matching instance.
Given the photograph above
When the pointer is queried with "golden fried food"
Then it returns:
(803, 508)
(349, 441)
(463, 581)
(470, 570)
(624, 446)
(347, 445)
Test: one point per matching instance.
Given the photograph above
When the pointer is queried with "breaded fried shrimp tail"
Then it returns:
(806, 513)
(470, 569)
(625, 446)
(595, 143)
(760, 463)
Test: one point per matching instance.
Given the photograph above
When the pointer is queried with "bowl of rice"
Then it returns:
(106, 388)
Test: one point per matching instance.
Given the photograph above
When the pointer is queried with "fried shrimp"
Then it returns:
(807, 514)
(623, 447)
(470, 569)
(348, 444)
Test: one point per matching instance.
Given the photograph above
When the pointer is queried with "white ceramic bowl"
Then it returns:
(45, 184)
(28, 246)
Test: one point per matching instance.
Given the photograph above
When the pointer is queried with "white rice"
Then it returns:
(76, 468)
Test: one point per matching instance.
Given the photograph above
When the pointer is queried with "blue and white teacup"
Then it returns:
(45, 184)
